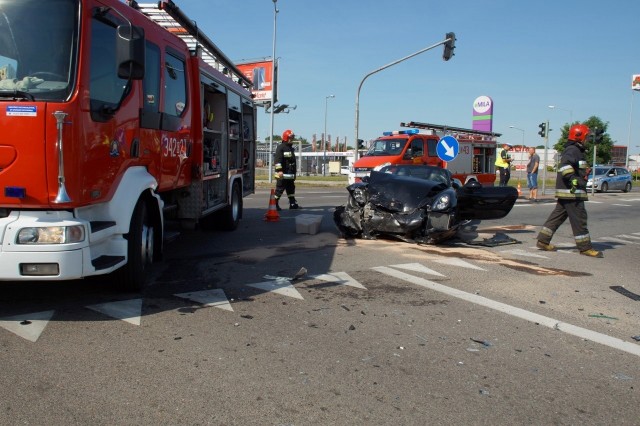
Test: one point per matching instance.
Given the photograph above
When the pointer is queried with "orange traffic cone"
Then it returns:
(519, 189)
(272, 214)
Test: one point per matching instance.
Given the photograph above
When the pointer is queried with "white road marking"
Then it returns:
(622, 205)
(214, 298)
(520, 252)
(338, 278)
(125, 310)
(28, 326)
(457, 262)
(634, 237)
(594, 202)
(416, 267)
(549, 322)
(282, 287)
(615, 240)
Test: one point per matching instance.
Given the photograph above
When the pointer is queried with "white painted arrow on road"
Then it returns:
(214, 298)
(125, 310)
(282, 287)
(338, 278)
(28, 326)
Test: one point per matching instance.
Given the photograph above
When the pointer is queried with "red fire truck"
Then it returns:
(116, 117)
(417, 145)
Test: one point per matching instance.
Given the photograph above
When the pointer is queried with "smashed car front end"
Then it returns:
(409, 209)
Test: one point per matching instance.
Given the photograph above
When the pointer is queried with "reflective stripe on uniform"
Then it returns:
(586, 238)
(567, 170)
(579, 194)
(546, 231)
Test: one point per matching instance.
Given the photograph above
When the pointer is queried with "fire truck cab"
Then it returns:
(116, 117)
(418, 145)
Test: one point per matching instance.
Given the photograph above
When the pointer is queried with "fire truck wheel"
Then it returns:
(232, 213)
(140, 248)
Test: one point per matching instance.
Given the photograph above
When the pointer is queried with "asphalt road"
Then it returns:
(375, 332)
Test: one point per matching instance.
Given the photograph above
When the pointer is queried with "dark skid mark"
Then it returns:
(623, 291)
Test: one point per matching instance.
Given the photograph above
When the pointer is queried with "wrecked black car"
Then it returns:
(419, 204)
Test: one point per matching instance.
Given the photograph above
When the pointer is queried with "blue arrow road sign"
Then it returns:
(447, 148)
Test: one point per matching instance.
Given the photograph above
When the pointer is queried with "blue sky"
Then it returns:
(576, 55)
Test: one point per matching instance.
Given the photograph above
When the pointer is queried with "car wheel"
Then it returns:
(604, 187)
(627, 187)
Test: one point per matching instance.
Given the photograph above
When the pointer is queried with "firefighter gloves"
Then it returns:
(574, 185)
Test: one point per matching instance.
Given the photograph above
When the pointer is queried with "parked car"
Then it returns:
(610, 177)
(418, 203)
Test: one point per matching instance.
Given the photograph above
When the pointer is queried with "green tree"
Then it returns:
(603, 151)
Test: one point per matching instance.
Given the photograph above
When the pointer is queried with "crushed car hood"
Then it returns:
(401, 193)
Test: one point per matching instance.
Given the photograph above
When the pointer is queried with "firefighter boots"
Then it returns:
(545, 247)
(592, 253)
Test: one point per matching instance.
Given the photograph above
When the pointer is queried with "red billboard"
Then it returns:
(261, 74)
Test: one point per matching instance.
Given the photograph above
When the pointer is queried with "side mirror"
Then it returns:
(130, 46)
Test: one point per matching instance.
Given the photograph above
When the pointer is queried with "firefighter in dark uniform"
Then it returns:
(285, 161)
(571, 192)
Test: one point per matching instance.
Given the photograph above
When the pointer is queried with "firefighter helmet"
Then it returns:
(288, 136)
(578, 132)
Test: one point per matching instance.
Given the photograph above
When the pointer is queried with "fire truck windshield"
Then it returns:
(386, 147)
(38, 45)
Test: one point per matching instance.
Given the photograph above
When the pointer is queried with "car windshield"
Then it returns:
(601, 171)
(434, 174)
(38, 42)
(387, 147)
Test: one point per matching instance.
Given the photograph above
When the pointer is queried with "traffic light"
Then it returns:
(449, 45)
(598, 135)
(543, 130)
(360, 144)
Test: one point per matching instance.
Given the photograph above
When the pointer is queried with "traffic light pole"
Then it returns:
(546, 147)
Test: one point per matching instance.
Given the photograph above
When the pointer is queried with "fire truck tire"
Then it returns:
(141, 242)
(230, 215)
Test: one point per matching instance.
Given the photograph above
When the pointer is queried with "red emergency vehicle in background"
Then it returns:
(115, 117)
(417, 145)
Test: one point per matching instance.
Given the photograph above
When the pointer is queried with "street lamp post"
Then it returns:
(568, 110)
(273, 91)
(521, 150)
(324, 136)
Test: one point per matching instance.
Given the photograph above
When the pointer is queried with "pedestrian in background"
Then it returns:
(503, 163)
(571, 192)
(532, 174)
